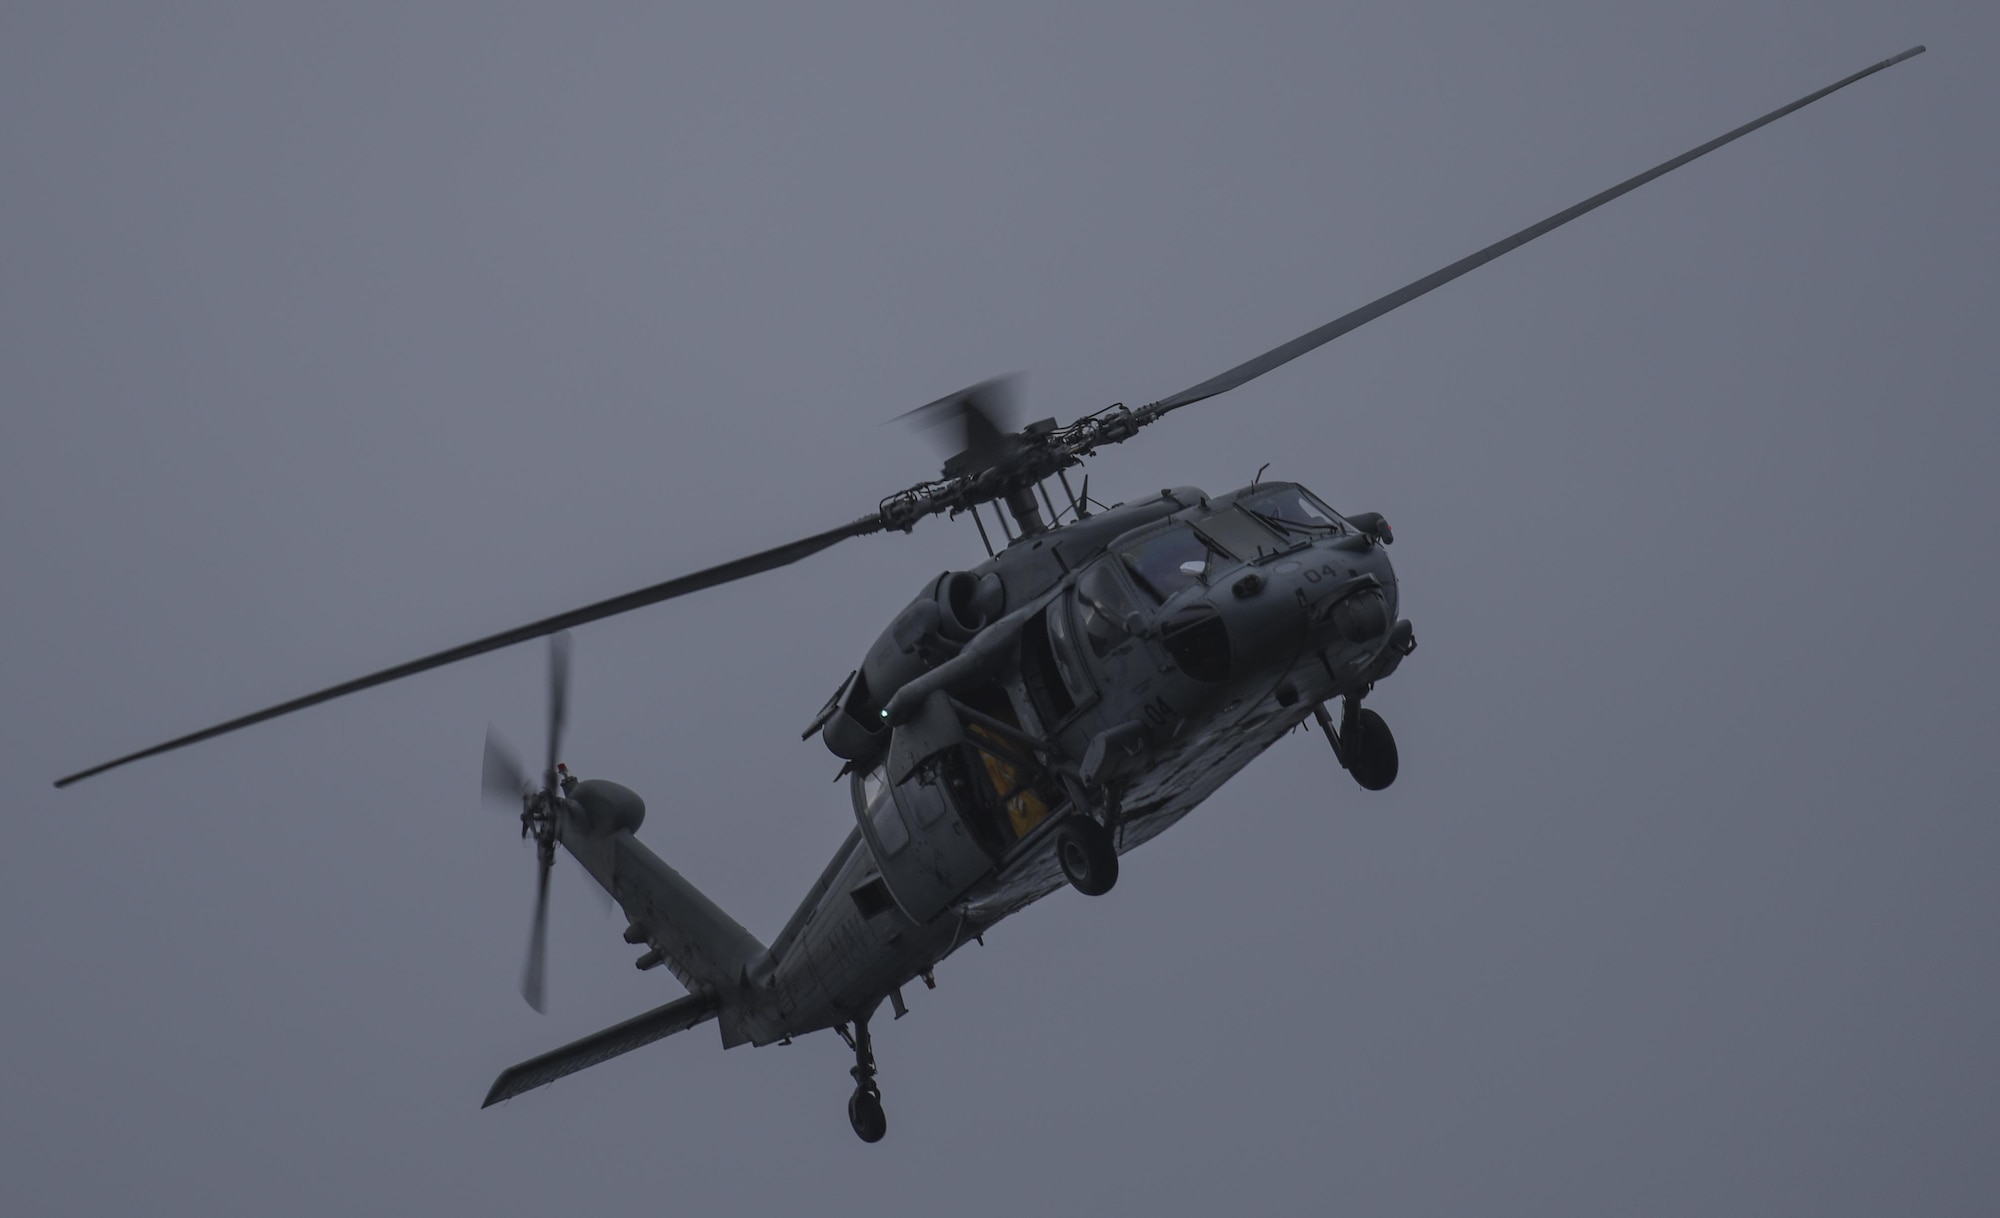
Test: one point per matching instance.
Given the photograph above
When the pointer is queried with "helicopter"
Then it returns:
(1018, 727)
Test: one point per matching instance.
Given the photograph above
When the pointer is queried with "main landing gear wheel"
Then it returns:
(864, 1112)
(1371, 751)
(1088, 856)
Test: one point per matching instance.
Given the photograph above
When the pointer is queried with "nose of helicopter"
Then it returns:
(1338, 594)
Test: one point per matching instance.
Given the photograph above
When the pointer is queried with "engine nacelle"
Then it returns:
(604, 808)
(930, 630)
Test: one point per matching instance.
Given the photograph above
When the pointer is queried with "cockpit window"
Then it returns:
(1167, 562)
(1293, 509)
(1102, 603)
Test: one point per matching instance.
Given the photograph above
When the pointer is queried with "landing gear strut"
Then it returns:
(864, 1107)
(1364, 745)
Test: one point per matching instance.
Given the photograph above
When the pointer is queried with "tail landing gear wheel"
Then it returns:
(1088, 856)
(864, 1107)
(1371, 751)
(864, 1112)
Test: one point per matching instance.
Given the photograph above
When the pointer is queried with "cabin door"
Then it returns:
(918, 814)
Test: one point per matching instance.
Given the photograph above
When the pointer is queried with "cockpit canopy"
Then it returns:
(1260, 522)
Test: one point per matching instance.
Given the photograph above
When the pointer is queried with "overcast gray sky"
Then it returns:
(336, 334)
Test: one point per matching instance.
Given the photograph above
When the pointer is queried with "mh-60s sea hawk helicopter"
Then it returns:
(1018, 726)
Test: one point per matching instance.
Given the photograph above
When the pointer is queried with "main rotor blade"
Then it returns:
(500, 772)
(736, 569)
(535, 973)
(1278, 356)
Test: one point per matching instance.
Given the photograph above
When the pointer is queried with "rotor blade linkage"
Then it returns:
(1278, 356)
(767, 560)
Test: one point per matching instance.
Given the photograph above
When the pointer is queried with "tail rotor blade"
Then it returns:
(501, 775)
(534, 974)
(558, 701)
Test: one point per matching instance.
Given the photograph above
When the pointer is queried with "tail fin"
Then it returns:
(703, 946)
(677, 1016)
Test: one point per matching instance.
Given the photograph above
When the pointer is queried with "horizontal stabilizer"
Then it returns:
(677, 1016)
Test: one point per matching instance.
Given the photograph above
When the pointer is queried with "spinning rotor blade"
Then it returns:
(534, 972)
(985, 416)
(1278, 356)
(558, 704)
(500, 772)
(740, 568)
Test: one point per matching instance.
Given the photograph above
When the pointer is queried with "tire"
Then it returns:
(864, 1112)
(1087, 855)
(1371, 755)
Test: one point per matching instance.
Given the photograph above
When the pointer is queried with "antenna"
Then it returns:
(1055, 517)
(1075, 505)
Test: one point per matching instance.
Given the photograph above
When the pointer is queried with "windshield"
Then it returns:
(1167, 562)
(1241, 533)
(1292, 509)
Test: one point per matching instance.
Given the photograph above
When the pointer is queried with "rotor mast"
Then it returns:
(1026, 512)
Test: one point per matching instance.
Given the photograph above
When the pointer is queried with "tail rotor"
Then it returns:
(502, 775)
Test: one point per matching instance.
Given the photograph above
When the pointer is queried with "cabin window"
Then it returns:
(1165, 563)
(1102, 604)
(872, 898)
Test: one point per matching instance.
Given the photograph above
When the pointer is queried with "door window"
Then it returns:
(1063, 653)
(890, 831)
